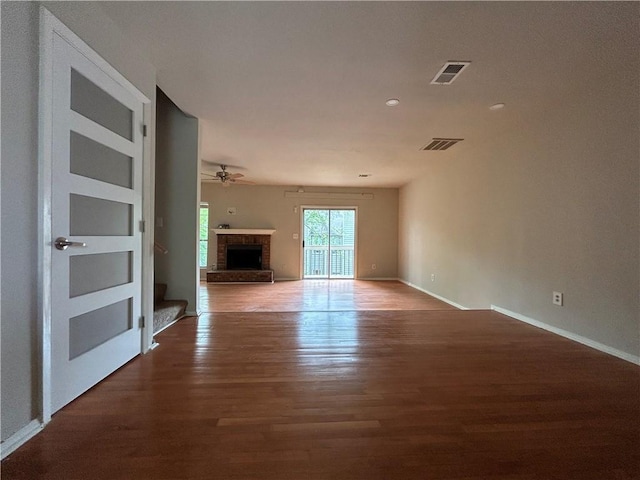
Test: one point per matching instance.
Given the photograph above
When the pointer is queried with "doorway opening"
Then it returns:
(329, 239)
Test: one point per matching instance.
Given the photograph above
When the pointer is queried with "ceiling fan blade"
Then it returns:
(221, 161)
(224, 176)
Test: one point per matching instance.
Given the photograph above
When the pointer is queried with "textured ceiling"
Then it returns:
(294, 92)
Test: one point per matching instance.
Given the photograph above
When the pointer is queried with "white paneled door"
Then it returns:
(96, 148)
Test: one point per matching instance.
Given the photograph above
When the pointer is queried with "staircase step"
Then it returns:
(167, 312)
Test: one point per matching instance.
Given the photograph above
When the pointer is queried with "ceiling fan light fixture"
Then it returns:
(226, 178)
(392, 102)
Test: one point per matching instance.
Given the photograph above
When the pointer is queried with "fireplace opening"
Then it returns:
(244, 257)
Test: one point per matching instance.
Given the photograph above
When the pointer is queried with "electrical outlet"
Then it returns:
(373, 266)
(433, 277)
(558, 298)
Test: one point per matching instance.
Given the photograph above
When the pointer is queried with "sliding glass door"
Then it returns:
(329, 242)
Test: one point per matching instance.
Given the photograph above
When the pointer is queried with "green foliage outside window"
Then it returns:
(319, 230)
(204, 234)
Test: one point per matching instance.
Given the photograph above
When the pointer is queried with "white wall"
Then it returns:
(177, 201)
(267, 207)
(550, 205)
(19, 216)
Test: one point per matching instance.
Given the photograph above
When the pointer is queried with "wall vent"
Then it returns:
(441, 143)
(449, 72)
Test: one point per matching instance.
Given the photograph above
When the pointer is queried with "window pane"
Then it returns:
(204, 234)
(203, 253)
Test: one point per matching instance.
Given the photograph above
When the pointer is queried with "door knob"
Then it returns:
(62, 243)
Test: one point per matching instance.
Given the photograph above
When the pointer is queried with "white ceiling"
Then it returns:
(294, 92)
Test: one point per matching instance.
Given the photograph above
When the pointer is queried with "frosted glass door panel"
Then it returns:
(94, 160)
(94, 216)
(91, 101)
(91, 329)
(92, 273)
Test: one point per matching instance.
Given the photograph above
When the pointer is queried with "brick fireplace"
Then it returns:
(251, 256)
(243, 239)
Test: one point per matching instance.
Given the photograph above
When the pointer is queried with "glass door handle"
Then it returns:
(62, 243)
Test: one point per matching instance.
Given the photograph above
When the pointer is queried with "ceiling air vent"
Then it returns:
(441, 143)
(449, 72)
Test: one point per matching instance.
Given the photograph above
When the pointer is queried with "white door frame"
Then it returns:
(50, 26)
(329, 207)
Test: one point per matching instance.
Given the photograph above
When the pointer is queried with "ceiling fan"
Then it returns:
(225, 177)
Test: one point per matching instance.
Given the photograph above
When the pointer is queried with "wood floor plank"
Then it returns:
(315, 295)
(349, 394)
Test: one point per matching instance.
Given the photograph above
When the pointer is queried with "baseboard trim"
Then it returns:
(291, 279)
(163, 329)
(570, 335)
(185, 315)
(380, 279)
(435, 295)
(19, 438)
(189, 313)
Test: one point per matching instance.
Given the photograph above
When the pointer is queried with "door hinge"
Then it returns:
(141, 322)
(144, 130)
(142, 225)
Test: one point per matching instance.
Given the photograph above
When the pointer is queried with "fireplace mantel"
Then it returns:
(243, 231)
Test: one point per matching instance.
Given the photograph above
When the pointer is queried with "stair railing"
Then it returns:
(158, 247)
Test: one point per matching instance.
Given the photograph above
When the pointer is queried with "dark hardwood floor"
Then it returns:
(335, 392)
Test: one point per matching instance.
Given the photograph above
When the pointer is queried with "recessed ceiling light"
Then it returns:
(497, 106)
(392, 102)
